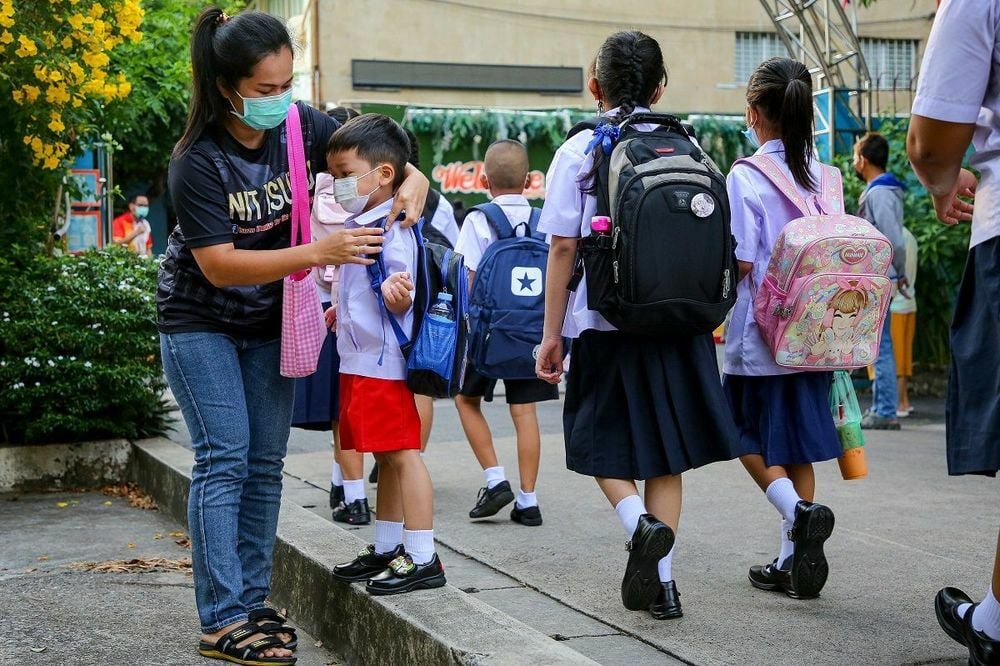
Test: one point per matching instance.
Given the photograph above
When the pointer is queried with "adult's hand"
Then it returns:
(410, 198)
(949, 207)
(348, 246)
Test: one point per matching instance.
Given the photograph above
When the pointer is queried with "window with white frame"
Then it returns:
(891, 62)
(753, 48)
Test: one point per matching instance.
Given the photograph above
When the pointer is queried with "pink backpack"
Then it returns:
(825, 297)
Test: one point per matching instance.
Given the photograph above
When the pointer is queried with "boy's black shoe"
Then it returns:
(983, 651)
(336, 495)
(772, 578)
(491, 500)
(368, 563)
(403, 575)
(373, 476)
(355, 513)
(813, 525)
(650, 543)
(530, 516)
(668, 605)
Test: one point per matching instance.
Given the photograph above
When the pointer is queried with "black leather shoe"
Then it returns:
(368, 563)
(373, 476)
(650, 543)
(813, 525)
(355, 513)
(668, 605)
(770, 577)
(491, 500)
(336, 495)
(983, 651)
(403, 575)
(530, 516)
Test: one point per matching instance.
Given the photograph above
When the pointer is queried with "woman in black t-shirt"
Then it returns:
(219, 314)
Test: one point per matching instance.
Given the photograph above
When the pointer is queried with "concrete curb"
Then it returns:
(46, 466)
(443, 626)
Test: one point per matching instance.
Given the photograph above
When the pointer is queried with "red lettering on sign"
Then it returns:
(466, 178)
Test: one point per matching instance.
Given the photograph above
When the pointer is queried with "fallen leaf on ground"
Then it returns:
(62, 505)
(157, 536)
(318, 643)
(43, 558)
(108, 503)
(41, 649)
(136, 496)
(136, 565)
(131, 545)
(183, 543)
(31, 570)
(177, 534)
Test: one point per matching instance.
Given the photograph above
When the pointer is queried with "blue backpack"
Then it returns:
(507, 305)
(436, 354)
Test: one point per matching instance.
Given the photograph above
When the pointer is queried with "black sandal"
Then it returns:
(226, 648)
(272, 622)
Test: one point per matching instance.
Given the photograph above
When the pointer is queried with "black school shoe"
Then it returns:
(813, 525)
(668, 605)
(403, 575)
(336, 495)
(650, 542)
(529, 516)
(368, 563)
(491, 500)
(355, 513)
(772, 578)
(983, 651)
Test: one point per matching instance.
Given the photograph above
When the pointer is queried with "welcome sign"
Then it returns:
(466, 178)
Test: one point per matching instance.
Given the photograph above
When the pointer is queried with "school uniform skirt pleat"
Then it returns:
(639, 407)
(785, 418)
(317, 397)
(973, 407)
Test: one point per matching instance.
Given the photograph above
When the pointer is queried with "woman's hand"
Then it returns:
(348, 246)
(410, 197)
(549, 364)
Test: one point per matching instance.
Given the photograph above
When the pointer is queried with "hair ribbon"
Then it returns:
(605, 136)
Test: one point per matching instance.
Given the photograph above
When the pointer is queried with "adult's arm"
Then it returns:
(936, 149)
(410, 197)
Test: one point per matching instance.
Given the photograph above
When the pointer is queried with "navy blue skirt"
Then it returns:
(974, 380)
(639, 407)
(317, 397)
(785, 418)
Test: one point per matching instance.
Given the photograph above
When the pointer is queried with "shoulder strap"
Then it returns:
(831, 188)
(431, 205)
(829, 200)
(533, 220)
(589, 124)
(297, 176)
(773, 173)
(497, 219)
(376, 276)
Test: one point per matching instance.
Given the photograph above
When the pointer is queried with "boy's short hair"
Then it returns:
(506, 164)
(875, 148)
(376, 139)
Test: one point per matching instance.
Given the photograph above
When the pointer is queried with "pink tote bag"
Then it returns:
(302, 328)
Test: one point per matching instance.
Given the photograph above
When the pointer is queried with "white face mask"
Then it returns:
(345, 192)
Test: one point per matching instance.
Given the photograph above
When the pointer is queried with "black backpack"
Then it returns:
(432, 234)
(668, 267)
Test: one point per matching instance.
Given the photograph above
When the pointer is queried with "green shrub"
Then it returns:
(79, 350)
(942, 254)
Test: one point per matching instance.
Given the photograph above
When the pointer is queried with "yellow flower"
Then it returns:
(76, 72)
(48, 39)
(67, 42)
(36, 145)
(97, 10)
(6, 21)
(41, 73)
(96, 59)
(27, 47)
(31, 93)
(124, 89)
(6, 37)
(18, 96)
(27, 139)
(77, 102)
(55, 75)
(76, 20)
(51, 163)
(56, 124)
(57, 94)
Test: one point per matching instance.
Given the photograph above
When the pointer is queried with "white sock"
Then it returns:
(354, 490)
(494, 475)
(336, 476)
(629, 510)
(781, 493)
(986, 617)
(786, 544)
(419, 545)
(524, 500)
(664, 566)
(388, 535)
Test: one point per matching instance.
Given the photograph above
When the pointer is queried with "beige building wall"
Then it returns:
(698, 38)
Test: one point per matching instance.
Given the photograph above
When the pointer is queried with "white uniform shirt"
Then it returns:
(444, 220)
(476, 234)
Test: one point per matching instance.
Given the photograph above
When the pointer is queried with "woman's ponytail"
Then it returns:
(203, 86)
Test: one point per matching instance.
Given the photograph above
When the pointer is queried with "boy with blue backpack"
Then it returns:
(506, 257)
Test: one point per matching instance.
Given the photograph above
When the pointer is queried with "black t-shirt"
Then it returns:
(224, 192)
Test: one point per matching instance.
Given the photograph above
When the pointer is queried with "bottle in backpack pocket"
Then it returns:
(442, 310)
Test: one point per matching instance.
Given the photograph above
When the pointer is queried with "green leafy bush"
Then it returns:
(942, 253)
(79, 350)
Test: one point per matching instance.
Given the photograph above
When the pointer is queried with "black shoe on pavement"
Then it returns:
(402, 575)
(336, 495)
(650, 543)
(668, 605)
(373, 476)
(983, 651)
(355, 513)
(368, 563)
(813, 525)
(772, 578)
(491, 500)
(530, 516)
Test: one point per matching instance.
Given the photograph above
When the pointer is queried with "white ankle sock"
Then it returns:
(786, 544)
(388, 535)
(664, 566)
(494, 475)
(419, 545)
(986, 617)
(629, 510)
(354, 490)
(524, 500)
(781, 493)
(336, 476)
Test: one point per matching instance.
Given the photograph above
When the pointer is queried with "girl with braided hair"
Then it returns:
(637, 408)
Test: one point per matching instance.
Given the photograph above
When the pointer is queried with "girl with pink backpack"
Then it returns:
(783, 413)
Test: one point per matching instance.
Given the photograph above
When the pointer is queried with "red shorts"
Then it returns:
(377, 415)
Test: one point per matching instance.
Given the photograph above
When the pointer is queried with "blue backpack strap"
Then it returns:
(533, 220)
(497, 219)
(376, 276)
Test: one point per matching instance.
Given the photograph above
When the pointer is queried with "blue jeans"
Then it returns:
(885, 391)
(238, 409)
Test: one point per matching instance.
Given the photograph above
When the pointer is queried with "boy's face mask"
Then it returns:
(264, 113)
(345, 192)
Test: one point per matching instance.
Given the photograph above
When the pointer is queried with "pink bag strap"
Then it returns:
(830, 199)
(297, 176)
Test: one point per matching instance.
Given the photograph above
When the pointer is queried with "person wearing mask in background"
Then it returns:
(131, 228)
